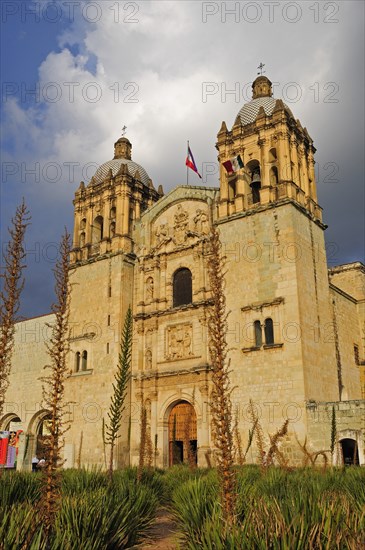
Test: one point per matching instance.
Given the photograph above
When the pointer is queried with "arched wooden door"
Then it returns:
(182, 434)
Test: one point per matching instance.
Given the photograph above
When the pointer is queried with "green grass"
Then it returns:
(280, 510)
(305, 509)
(94, 514)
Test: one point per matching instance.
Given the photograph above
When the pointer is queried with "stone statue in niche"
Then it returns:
(179, 342)
(201, 222)
(149, 288)
(181, 222)
(148, 359)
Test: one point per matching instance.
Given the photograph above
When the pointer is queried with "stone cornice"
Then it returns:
(343, 293)
(175, 372)
(173, 310)
(269, 206)
(260, 305)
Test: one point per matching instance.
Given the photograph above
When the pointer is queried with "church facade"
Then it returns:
(296, 329)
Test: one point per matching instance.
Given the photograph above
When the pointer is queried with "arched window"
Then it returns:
(112, 230)
(253, 166)
(84, 360)
(274, 176)
(269, 331)
(83, 224)
(273, 155)
(113, 213)
(82, 239)
(182, 287)
(98, 229)
(77, 361)
(258, 334)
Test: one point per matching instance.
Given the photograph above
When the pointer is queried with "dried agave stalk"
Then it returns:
(249, 442)
(238, 440)
(221, 405)
(54, 390)
(80, 450)
(311, 458)
(257, 430)
(274, 450)
(12, 286)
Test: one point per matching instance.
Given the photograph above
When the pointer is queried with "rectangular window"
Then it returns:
(108, 320)
(107, 347)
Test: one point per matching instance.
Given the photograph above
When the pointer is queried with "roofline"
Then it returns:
(347, 267)
(164, 197)
(35, 317)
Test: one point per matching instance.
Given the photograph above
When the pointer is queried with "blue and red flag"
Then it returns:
(190, 162)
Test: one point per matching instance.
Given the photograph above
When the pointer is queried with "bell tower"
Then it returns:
(272, 235)
(276, 156)
(106, 208)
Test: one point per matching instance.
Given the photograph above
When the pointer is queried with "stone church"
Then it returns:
(295, 328)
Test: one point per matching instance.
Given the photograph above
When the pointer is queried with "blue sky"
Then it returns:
(147, 64)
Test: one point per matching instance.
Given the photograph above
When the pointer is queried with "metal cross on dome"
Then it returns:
(261, 66)
(124, 130)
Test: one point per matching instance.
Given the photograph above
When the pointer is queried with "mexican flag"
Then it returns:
(234, 164)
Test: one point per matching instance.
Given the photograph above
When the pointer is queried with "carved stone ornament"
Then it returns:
(179, 341)
(201, 222)
(181, 222)
(149, 288)
(162, 234)
(148, 362)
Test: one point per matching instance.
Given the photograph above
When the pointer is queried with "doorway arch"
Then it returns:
(39, 428)
(182, 434)
(8, 419)
(350, 451)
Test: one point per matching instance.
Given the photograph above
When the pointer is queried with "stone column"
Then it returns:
(304, 163)
(294, 160)
(284, 166)
(26, 451)
(89, 223)
(312, 176)
(76, 227)
(125, 220)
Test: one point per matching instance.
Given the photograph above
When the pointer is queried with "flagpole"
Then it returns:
(187, 167)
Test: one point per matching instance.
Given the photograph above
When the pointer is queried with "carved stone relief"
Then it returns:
(181, 223)
(148, 359)
(201, 222)
(162, 234)
(149, 289)
(179, 341)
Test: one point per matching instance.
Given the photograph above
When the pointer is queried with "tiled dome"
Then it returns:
(114, 165)
(250, 110)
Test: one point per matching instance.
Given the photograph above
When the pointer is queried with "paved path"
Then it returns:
(162, 534)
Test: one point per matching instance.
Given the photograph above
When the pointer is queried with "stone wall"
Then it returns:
(350, 420)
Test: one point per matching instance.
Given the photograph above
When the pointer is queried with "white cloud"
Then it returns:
(165, 58)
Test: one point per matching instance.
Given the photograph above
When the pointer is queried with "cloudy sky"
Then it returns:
(74, 73)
